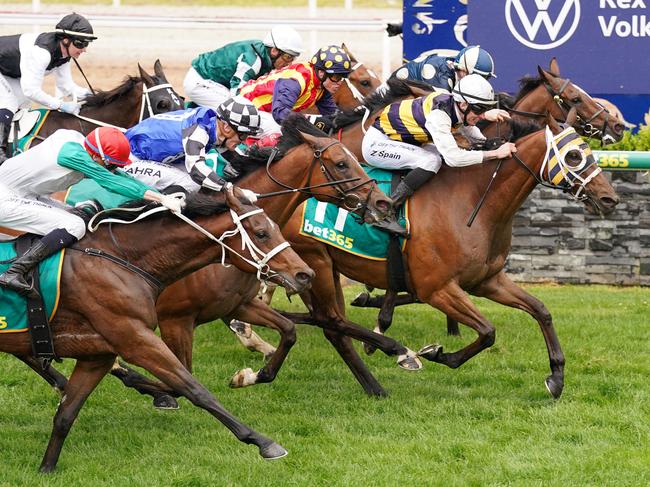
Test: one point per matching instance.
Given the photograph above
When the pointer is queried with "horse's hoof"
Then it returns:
(409, 361)
(243, 378)
(165, 402)
(431, 352)
(369, 349)
(554, 386)
(361, 300)
(273, 451)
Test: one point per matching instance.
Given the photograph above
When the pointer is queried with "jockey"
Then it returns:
(416, 134)
(298, 87)
(61, 160)
(186, 135)
(217, 75)
(442, 72)
(26, 58)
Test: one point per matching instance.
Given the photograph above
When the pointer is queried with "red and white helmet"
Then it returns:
(110, 144)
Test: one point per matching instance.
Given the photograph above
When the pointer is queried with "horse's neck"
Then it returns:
(123, 112)
(538, 101)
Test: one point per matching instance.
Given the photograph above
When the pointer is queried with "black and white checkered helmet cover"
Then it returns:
(241, 114)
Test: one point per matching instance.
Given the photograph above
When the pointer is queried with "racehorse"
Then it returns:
(107, 305)
(360, 83)
(447, 258)
(308, 164)
(124, 106)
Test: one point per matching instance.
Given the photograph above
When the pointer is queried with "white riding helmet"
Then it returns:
(474, 89)
(284, 38)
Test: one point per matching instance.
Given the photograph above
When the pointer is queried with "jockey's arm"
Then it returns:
(65, 85)
(249, 65)
(285, 95)
(33, 64)
(326, 105)
(472, 133)
(438, 124)
(195, 139)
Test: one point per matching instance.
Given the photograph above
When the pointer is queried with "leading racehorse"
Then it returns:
(107, 305)
(447, 258)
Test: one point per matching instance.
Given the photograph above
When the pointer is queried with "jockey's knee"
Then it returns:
(75, 226)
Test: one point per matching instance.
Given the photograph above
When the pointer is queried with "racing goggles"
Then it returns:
(336, 77)
(479, 109)
(80, 43)
(289, 58)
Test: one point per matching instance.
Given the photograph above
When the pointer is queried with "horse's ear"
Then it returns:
(148, 80)
(312, 140)
(158, 70)
(554, 67)
(572, 116)
(552, 123)
(545, 75)
(347, 51)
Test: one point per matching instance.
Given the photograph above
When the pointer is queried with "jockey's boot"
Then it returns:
(14, 277)
(6, 116)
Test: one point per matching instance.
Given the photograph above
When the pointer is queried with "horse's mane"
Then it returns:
(198, 203)
(522, 128)
(397, 89)
(290, 138)
(102, 98)
(528, 84)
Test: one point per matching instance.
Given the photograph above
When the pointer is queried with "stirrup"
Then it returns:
(391, 226)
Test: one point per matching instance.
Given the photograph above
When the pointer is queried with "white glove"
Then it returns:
(506, 150)
(70, 107)
(249, 195)
(174, 204)
(496, 115)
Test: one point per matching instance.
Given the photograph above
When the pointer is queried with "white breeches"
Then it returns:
(161, 176)
(268, 125)
(11, 94)
(30, 215)
(204, 92)
(380, 151)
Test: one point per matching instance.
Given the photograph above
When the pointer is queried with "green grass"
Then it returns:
(490, 422)
(228, 3)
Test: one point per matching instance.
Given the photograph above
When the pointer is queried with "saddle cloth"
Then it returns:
(13, 306)
(339, 228)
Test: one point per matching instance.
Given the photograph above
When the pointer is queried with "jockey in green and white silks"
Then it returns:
(417, 134)
(55, 164)
(217, 75)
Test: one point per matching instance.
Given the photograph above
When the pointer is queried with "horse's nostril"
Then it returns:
(304, 278)
(608, 202)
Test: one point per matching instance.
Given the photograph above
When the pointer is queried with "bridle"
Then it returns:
(146, 99)
(347, 197)
(586, 127)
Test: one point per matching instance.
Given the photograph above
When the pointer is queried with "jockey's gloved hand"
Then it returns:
(249, 195)
(70, 107)
(174, 204)
(496, 115)
(230, 172)
(323, 123)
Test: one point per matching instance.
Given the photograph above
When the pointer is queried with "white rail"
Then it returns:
(311, 25)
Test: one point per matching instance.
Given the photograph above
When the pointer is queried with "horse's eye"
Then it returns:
(341, 165)
(577, 99)
(262, 235)
(365, 83)
(164, 105)
(574, 158)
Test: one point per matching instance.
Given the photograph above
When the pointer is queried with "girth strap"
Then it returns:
(39, 326)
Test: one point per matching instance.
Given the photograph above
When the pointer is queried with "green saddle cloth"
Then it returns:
(13, 306)
(339, 228)
(87, 189)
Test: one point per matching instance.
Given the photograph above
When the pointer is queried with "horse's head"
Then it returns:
(265, 250)
(569, 164)
(158, 96)
(351, 188)
(361, 82)
(593, 119)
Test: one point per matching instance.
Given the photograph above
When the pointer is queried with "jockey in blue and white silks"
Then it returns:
(186, 136)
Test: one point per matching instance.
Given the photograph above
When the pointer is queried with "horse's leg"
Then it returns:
(365, 300)
(85, 377)
(456, 304)
(259, 313)
(53, 377)
(502, 290)
(384, 318)
(161, 394)
(452, 327)
(249, 339)
(145, 349)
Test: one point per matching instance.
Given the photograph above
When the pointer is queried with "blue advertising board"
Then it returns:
(602, 45)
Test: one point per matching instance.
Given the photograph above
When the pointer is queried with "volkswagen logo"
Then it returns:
(540, 25)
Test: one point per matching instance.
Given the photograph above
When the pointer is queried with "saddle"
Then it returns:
(24, 127)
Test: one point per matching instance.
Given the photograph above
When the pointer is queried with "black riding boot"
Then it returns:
(6, 117)
(14, 277)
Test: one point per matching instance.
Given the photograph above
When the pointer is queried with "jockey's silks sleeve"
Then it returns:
(438, 124)
(248, 67)
(285, 96)
(73, 156)
(326, 105)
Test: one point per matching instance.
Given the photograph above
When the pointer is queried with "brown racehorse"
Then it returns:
(307, 159)
(447, 258)
(124, 106)
(99, 318)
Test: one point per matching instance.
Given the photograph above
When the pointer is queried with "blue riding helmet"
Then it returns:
(332, 60)
(475, 60)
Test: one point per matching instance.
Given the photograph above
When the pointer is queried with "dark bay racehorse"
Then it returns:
(99, 317)
(124, 106)
(447, 259)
